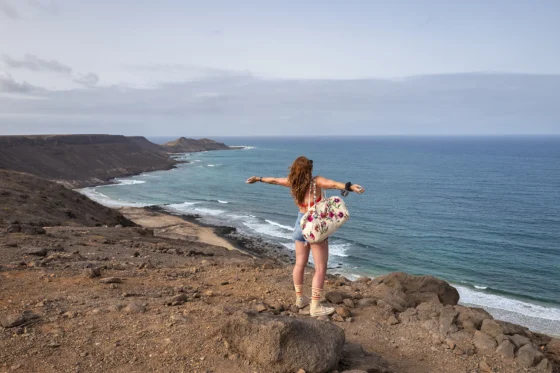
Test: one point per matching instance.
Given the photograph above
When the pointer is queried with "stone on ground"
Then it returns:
(528, 356)
(484, 343)
(506, 349)
(285, 344)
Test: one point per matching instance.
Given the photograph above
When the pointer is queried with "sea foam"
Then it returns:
(105, 200)
(537, 317)
(129, 182)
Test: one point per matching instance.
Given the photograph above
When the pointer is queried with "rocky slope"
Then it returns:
(97, 299)
(81, 160)
(184, 145)
(29, 203)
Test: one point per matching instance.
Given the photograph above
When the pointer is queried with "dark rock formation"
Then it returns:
(81, 160)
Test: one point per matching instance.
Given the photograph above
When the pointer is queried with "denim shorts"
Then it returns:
(298, 234)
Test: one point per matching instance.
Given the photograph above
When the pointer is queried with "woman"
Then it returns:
(300, 181)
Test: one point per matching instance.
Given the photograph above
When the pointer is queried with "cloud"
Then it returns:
(88, 80)
(47, 7)
(187, 71)
(242, 104)
(9, 85)
(9, 10)
(32, 62)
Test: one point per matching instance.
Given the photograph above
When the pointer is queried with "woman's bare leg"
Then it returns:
(320, 257)
(302, 256)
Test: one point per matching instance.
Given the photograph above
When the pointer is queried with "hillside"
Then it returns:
(29, 202)
(184, 145)
(146, 144)
(81, 160)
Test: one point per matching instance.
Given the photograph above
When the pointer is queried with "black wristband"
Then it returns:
(348, 186)
(260, 179)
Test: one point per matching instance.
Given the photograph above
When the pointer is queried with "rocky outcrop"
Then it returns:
(284, 344)
(81, 160)
(404, 290)
(184, 145)
(464, 330)
(30, 203)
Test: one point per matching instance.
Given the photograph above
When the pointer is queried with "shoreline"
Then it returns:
(253, 246)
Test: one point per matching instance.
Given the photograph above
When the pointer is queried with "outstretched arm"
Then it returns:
(283, 181)
(325, 183)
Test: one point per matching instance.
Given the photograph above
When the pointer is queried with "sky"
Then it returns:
(222, 68)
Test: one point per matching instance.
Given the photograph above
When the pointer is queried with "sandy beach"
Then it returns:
(169, 226)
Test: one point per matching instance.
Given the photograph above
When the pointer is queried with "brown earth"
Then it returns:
(167, 307)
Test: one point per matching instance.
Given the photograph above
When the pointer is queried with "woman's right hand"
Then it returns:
(357, 188)
(252, 180)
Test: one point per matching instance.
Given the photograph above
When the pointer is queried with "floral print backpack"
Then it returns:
(324, 217)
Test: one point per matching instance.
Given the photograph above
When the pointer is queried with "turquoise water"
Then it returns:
(482, 213)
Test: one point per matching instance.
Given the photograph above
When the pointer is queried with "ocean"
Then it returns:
(481, 213)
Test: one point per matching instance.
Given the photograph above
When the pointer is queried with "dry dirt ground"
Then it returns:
(165, 310)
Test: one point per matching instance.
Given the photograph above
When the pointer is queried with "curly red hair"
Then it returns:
(301, 173)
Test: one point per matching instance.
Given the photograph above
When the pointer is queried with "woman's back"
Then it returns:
(312, 196)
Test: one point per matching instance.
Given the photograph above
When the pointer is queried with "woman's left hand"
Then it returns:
(357, 188)
(252, 180)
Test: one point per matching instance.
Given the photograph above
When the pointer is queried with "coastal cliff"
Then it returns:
(81, 160)
(184, 145)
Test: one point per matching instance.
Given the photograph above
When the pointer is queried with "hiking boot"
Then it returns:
(321, 311)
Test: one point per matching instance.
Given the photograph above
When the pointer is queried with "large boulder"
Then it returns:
(471, 318)
(528, 356)
(496, 327)
(336, 297)
(506, 349)
(419, 289)
(492, 327)
(284, 344)
(484, 343)
(447, 320)
(519, 340)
